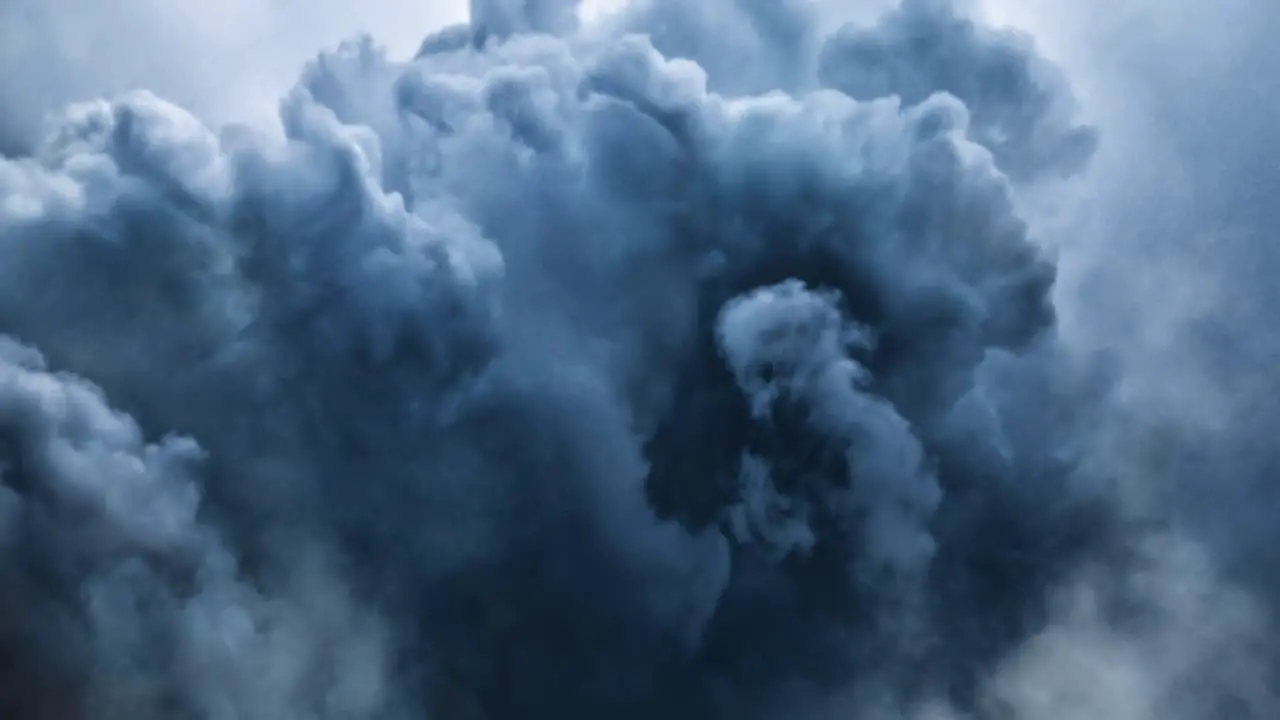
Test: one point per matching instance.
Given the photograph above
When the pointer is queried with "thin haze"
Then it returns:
(750, 359)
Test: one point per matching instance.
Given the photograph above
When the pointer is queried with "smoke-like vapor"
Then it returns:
(690, 362)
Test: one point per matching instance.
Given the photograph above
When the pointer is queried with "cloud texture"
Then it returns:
(692, 362)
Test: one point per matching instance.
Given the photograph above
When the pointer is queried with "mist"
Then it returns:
(743, 359)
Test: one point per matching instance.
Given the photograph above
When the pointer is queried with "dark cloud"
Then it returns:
(574, 371)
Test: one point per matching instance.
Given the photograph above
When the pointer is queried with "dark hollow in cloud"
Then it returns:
(554, 373)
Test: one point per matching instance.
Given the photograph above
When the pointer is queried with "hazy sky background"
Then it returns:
(224, 59)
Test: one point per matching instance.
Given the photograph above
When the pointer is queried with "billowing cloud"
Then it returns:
(695, 362)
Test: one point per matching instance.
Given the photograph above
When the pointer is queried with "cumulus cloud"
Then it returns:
(120, 600)
(697, 362)
(1022, 106)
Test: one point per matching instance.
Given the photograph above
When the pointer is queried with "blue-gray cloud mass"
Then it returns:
(697, 361)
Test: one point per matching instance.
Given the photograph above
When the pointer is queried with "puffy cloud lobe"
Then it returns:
(787, 345)
(208, 222)
(155, 220)
(108, 557)
(1020, 105)
(607, 384)
(746, 46)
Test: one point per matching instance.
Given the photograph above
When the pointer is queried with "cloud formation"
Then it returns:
(585, 369)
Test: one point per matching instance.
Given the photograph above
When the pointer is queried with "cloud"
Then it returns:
(702, 362)
(1166, 250)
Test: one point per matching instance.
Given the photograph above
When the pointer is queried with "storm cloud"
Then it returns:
(696, 361)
